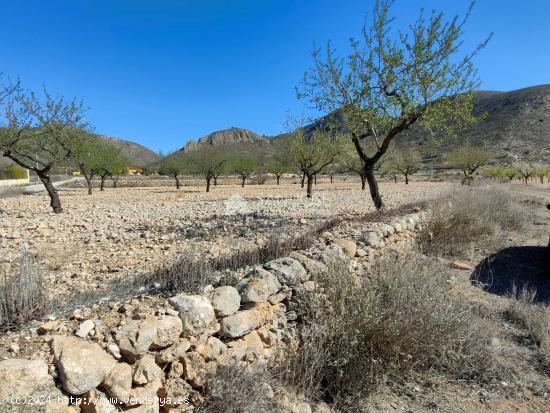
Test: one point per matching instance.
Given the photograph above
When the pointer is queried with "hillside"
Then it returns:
(513, 125)
(138, 155)
(227, 137)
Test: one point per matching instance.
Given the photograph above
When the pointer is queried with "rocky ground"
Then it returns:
(122, 232)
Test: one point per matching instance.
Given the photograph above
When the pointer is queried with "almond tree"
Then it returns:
(209, 162)
(407, 162)
(525, 170)
(312, 153)
(175, 165)
(111, 162)
(38, 132)
(86, 155)
(244, 167)
(469, 159)
(393, 80)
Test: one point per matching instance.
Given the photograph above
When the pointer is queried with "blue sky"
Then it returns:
(160, 72)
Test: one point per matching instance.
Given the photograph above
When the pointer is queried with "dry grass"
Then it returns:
(240, 389)
(399, 323)
(467, 218)
(22, 294)
(534, 319)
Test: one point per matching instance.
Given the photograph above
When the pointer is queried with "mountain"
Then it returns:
(138, 155)
(227, 137)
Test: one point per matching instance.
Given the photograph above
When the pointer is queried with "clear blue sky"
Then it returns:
(160, 72)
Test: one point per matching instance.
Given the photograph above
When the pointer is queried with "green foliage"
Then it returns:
(469, 159)
(175, 164)
(13, 172)
(242, 166)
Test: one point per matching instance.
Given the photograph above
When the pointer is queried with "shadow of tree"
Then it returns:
(520, 266)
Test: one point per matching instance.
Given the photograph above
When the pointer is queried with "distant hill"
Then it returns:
(138, 155)
(227, 137)
(516, 126)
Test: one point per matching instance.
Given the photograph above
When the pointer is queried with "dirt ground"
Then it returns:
(127, 231)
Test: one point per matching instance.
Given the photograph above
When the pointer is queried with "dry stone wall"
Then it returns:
(155, 354)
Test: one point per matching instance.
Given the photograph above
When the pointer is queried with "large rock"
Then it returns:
(246, 321)
(174, 352)
(136, 337)
(146, 370)
(195, 311)
(81, 365)
(287, 270)
(168, 332)
(371, 239)
(253, 290)
(28, 380)
(273, 284)
(226, 301)
(349, 247)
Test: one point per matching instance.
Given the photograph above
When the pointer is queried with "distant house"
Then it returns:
(75, 173)
(134, 171)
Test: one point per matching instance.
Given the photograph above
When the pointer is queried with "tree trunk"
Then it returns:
(406, 179)
(394, 178)
(363, 181)
(115, 181)
(55, 203)
(208, 184)
(178, 184)
(278, 179)
(373, 187)
(310, 179)
(88, 183)
(541, 180)
(242, 181)
(331, 179)
(102, 187)
(215, 181)
(303, 179)
(315, 179)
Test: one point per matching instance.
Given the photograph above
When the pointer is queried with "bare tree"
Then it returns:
(385, 86)
(38, 132)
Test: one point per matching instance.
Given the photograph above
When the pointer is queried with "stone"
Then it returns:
(169, 329)
(349, 247)
(246, 321)
(253, 290)
(85, 328)
(29, 379)
(211, 349)
(332, 252)
(195, 369)
(175, 392)
(146, 370)
(225, 301)
(461, 265)
(113, 350)
(273, 284)
(96, 402)
(371, 239)
(81, 365)
(398, 227)
(118, 383)
(47, 327)
(174, 352)
(195, 311)
(287, 270)
(312, 266)
(135, 338)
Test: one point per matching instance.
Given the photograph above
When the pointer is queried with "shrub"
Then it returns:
(465, 218)
(22, 294)
(240, 389)
(533, 318)
(400, 322)
(17, 173)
